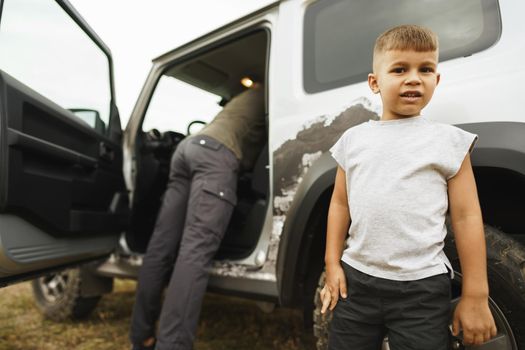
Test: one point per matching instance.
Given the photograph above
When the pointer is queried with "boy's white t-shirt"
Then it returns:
(396, 182)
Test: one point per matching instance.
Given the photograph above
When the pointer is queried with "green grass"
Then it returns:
(226, 323)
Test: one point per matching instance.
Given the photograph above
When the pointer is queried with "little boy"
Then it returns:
(396, 179)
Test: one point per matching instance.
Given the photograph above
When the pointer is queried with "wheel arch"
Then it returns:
(498, 161)
(306, 214)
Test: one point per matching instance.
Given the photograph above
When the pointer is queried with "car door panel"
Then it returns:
(57, 193)
(56, 176)
(63, 198)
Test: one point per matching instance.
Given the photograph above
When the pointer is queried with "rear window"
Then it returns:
(339, 35)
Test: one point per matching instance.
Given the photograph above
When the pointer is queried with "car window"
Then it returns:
(175, 104)
(45, 49)
(339, 35)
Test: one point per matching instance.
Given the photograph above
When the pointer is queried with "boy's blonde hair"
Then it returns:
(406, 37)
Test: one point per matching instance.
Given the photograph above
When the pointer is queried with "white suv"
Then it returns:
(76, 190)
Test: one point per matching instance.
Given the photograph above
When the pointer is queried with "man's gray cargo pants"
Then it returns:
(195, 212)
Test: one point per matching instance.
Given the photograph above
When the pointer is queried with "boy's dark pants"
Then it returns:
(413, 314)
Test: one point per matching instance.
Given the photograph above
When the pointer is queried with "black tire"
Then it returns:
(505, 257)
(58, 296)
(507, 291)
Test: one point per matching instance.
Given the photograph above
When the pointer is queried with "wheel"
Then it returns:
(507, 294)
(505, 257)
(58, 296)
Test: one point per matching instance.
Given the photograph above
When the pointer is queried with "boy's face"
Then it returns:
(406, 80)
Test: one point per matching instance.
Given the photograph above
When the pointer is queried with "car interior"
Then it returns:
(221, 70)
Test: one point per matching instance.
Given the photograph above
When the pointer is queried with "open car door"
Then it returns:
(62, 195)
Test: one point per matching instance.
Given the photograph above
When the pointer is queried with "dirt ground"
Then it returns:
(226, 324)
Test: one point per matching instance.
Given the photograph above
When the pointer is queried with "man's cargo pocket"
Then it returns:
(214, 208)
(221, 192)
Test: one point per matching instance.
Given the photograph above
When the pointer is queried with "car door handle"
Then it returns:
(106, 152)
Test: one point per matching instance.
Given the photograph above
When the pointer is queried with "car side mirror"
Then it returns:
(92, 117)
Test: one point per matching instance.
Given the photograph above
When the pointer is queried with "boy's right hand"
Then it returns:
(335, 285)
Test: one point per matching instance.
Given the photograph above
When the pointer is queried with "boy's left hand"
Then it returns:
(473, 316)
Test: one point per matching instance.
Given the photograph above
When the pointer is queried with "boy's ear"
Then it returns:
(372, 82)
(438, 78)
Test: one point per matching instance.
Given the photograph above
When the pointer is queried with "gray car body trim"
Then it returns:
(260, 289)
(500, 145)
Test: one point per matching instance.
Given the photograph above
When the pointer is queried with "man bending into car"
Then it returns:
(197, 206)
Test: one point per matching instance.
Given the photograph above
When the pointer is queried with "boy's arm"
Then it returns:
(472, 313)
(338, 223)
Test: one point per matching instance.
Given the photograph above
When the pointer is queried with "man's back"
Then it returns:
(240, 126)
